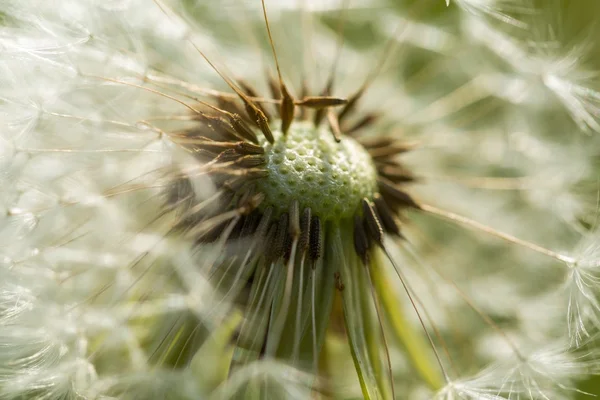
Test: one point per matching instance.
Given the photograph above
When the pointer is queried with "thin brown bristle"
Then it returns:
(372, 221)
(287, 104)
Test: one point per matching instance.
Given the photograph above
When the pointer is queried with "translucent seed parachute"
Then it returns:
(316, 199)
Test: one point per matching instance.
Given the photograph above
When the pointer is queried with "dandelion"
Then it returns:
(266, 199)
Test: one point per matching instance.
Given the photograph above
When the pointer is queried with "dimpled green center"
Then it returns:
(308, 165)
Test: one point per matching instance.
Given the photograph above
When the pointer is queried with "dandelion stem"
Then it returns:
(459, 219)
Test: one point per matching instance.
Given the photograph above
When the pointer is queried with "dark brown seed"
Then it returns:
(361, 242)
(397, 196)
(315, 246)
(260, 120)
(279, 244)
(396, 174)
(242, 129)
(251, 161)
(305, 223)
(249, 148)
(386, 215)
(374, 229)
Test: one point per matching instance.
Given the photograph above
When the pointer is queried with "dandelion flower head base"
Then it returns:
(310, 166)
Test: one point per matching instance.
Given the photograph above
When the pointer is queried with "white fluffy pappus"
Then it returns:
(96, 293)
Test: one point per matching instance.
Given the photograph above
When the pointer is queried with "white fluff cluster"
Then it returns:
(503, 97)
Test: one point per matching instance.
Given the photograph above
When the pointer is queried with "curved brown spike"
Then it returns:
(251, 161)
(386, 216)
(260, 120)
(287, 110)
(390, 150)
(374, 142)
(320, 102)
(362, 123)
(229, 105)
(240, 126)
(294, 219)
(361, 241)
(316, 240)
(374, 229)
(305, 228)
(395, 174)
(351, 105)
(334, 125)
(401, 198)
(250, 91)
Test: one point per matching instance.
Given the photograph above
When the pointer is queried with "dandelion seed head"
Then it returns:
(155, 247)
(310, 163)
